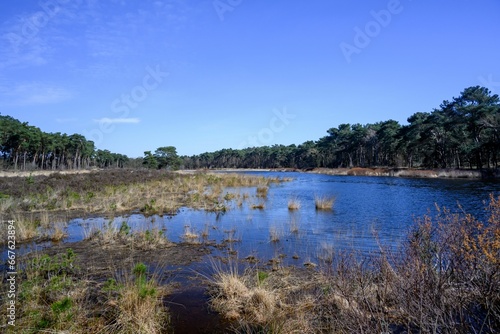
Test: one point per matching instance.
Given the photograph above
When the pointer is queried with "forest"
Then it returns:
(461, 133)
(26, 147)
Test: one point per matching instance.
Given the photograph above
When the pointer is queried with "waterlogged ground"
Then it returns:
(368, 212)
(258, 229)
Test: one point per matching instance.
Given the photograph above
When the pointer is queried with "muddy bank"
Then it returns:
(102, 261)
(179, 267)
(411, 172)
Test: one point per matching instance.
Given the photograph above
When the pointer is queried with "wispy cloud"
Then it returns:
(117, 120)
(15, 54)
(30, 38)
(34, 93)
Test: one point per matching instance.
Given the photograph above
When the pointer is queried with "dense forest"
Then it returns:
(27, 147)
(461, 133)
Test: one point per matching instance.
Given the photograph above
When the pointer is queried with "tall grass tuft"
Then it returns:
(190, 236)
(259, 205)
(276, 233)
(444, 279)
(294, 226)
(324, 203)
(294, 204)
(135, 303)
(262, 191)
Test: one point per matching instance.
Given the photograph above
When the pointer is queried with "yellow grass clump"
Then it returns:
(294, 204)
(324, 203)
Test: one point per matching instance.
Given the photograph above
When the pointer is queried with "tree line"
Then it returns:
(23, 146)
(461, 133)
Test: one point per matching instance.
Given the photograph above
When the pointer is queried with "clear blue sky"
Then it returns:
(99, 68)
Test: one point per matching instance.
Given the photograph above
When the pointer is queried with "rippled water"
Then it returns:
(364, 207)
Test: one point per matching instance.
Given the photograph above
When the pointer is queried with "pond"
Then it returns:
(368, 212)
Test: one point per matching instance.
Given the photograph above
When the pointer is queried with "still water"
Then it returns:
(369, 212)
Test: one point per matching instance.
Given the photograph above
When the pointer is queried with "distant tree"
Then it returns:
(167, 157)
(149, 161)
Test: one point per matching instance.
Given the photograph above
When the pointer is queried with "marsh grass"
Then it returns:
(36, 227)
(206, 232)
(58, 232)
(108, 233)
(115, 191)
(294, 204)
(26, 228)
(190, 235)
(262, 191)
(294, 226)
(258, 206)
(151, 238)
(326, 253)
(50, 296)
(276, 233)
(231, 236)
(445, 279)
(257, 301)
(55, 296)
(135, 303)
(324, 203)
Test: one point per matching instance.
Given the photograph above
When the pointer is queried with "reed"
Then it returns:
(294, 226)
(275, 233)
(190, 236)
(294, 204)
(324, 203)
(262, 191)
(259, 206)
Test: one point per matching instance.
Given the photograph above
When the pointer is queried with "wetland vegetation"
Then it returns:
(443, 276)
(110, 244)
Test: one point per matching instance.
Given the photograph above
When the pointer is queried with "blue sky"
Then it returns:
(206, 75)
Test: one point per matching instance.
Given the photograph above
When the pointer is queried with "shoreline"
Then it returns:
(441, 173)
(438, 173)
(445, 173)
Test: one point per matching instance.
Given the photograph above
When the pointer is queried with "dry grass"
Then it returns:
(294, 226)
(136, 304)
(231, 236)
(26, 228)
(149, 239)
(262, 191)
(445, 279)
(109, 234)
(151, 192)
(190, 236)
(260, 302)
(206, 232)
(55, 296)
(58, 232)
(259, 206)
(36, 227)
(114, 191)
(276, 233)
(294, 204)
(324, 203)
